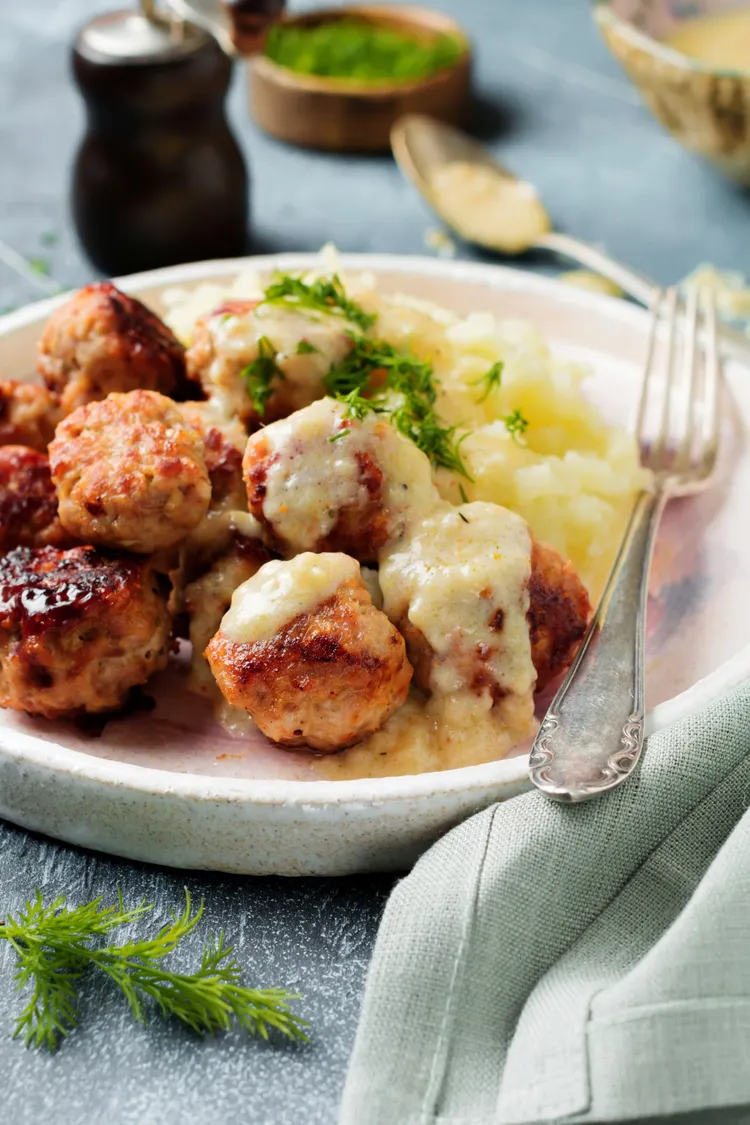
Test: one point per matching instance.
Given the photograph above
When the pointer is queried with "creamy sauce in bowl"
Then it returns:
(720, 39)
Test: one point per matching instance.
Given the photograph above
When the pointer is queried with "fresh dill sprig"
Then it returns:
(516, 425)
(376, 376)
(325, 294)
(490, 381)
(55, 945)
(417, 420)
(357, 407)
(260, 374)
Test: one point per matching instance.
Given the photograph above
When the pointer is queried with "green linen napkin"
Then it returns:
(584, 963)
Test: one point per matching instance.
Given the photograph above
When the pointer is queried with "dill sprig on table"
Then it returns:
(55, 945)
(325, 294)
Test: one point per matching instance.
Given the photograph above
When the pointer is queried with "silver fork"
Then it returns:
(592, 734)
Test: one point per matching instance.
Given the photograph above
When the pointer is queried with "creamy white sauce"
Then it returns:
(312, 477)
(454, 573)
(215, 534)
(461, 578)
(207, 600)
(282, 591)
(407, 743)
(207, 416)
(286, 328)
(451, 577)
(370, 579)
(236, 344)
(418, 739)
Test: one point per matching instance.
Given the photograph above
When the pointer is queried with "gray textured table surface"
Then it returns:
(561, 113)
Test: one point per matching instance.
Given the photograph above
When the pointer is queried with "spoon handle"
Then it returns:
(635, 284)
(211, 18)
(733, 342)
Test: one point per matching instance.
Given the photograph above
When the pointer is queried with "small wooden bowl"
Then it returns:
(347, 115)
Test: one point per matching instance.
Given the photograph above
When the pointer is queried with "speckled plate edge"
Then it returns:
(29, 764)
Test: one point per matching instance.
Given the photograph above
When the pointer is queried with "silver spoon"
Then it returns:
(208, 15)
(486, 204)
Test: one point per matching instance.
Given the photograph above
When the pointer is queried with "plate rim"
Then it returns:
(302, 795)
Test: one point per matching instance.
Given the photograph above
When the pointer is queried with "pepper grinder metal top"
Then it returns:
(159, 177)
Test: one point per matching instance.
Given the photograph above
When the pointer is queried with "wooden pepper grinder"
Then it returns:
(159, 177)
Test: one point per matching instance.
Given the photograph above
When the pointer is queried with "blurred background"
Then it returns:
(551, 102)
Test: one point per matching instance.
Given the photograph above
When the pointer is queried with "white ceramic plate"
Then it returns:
(170, 787)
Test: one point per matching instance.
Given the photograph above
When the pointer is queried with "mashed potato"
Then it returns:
(571, 476)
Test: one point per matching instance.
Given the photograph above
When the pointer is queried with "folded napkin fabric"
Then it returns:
(547, 962)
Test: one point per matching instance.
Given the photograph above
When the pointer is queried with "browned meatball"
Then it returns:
(208, 599)
(130, 473)
(78, 630)
(261, 362)
(558, 615)
(559, 612)
(102, 340)
(28, 501)
(319, 481)
(325, 677)
(28, 415)
(223, 443)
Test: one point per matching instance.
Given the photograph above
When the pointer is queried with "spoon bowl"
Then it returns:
(487, 204)
(479, 198)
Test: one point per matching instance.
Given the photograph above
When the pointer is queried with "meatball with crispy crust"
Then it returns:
(223, 444)
(556, 618)
(204, 416)
(320, 481)
(78, 630)
(28, 415)
(559, 611)
(262, 361)
(306, 653)
(227, 513)
(208, 599)
(101, 341)
(28, 501)
(130, 473)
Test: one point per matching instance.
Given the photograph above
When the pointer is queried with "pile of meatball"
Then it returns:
(127, 521)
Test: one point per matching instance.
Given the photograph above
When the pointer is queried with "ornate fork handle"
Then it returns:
(592, 735)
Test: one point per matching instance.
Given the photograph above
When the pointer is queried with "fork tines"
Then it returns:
(678, 416)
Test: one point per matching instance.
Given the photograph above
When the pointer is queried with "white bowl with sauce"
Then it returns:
(172, 787)
(691, 63)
